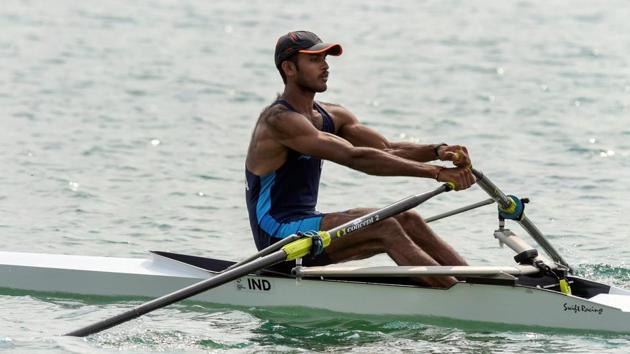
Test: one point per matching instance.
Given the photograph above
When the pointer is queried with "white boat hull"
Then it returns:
(500, 304)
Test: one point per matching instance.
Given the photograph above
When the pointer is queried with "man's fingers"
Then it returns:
(471, 177)
(466, 179)
(449, 155)
(462, 160)
(456, 157)
(461, 177)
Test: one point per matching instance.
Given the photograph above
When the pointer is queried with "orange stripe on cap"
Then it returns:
(306, 51)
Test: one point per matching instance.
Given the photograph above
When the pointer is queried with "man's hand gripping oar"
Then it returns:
(291, 251)
(460, 176)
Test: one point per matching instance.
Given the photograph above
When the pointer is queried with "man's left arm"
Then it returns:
(358, 134)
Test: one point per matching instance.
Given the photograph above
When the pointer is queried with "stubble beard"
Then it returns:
(306, 86)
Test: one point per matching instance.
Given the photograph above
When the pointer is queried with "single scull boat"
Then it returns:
(536, 292)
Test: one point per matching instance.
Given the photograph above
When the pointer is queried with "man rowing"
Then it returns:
(295, 133)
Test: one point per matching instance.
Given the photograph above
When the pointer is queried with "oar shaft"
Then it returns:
(302, 247)
(494, 192)
(267, 250)
(459, 210)
(289, 251)
(537, 235)
(386, 212)
(181, 294)
(356, 224)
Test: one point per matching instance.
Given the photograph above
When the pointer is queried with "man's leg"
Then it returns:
(387, 236)
(425, 238)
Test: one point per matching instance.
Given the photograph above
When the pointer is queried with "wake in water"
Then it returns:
(605, 273)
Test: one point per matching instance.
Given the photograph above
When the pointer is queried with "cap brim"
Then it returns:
(328, 48)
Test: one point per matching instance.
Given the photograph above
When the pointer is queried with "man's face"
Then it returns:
(312, 73)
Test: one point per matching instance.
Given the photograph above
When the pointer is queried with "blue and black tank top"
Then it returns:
(279, 202)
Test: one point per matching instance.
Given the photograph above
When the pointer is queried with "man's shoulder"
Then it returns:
(329, 106)
(339, 112)
(275, 113)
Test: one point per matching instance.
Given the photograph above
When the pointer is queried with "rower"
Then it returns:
(295, 133)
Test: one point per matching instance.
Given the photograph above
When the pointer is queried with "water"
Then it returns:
(124, 127)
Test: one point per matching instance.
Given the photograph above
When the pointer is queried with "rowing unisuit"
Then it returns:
(283, 202)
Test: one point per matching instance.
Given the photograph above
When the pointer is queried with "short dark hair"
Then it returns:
(294, 60)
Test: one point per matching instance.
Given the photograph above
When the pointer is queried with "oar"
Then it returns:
(294, 250)
(506, 203)
(459, 210)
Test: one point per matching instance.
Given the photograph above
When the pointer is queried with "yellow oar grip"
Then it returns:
(302, 247)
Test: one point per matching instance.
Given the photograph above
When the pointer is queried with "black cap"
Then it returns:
(303, 42)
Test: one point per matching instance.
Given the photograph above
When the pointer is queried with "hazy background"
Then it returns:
(124, 128)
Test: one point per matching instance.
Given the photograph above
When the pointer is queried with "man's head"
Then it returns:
(304, 50)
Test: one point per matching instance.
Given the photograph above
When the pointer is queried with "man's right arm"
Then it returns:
(360, 135)
(295, 132)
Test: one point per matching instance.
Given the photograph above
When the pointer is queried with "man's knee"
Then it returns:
(411, 219)
(392, 234)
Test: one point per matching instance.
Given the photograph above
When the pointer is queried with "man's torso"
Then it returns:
(282, 183)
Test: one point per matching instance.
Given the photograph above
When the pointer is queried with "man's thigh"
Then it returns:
(358, 245)
(332, 220)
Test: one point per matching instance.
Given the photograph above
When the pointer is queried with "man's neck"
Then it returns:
(299, 99)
